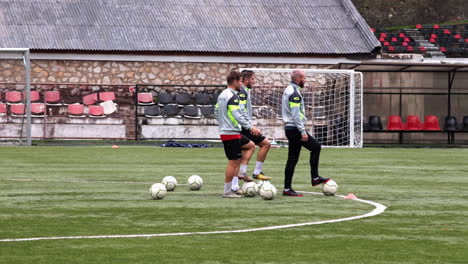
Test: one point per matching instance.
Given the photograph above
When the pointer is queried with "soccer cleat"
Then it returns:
(244, 177)
(231, 195)
(291, 192)
(261, 176)
(319, 180)
(238, 192)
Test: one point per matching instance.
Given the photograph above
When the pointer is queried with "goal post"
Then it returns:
(332, 99)
(15, 70)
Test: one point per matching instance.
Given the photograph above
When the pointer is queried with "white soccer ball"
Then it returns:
(330, 188)
(170, 182)
(195, 182)
(267, 191)
(250, 189)
(259, 184)
(157, 191)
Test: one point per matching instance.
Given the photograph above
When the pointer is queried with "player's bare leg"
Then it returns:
(231, 169)
(247, 153)
(261, 156)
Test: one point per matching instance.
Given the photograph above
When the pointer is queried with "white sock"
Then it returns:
(243, 169)
(227, 187)
(258, 167)
(235, 183)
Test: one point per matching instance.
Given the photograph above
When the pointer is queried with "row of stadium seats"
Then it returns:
(173, 110)
(74, 110)
(180, 99)
(431, 123)
(53, 97)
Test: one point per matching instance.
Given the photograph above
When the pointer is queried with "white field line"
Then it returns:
(379, 208)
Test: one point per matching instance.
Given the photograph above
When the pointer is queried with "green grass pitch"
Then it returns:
(71, 191)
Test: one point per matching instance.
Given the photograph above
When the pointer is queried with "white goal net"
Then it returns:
(333, 104)
(15, 96)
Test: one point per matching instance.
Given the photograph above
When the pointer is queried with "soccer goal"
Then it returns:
(332, 98)
(15, 96)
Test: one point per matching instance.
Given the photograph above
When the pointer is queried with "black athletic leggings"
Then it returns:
(295, 145)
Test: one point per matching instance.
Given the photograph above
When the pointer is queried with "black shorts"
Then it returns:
(232, 147)
(255, 139)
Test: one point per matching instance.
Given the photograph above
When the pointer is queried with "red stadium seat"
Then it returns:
(446, 31)
(96, 111)
(37, 109)
(404, 44)
(394, 123)
(421, 48)
(17, 109)
(413, 123)
(145, 99)
(90, 99)
(107, 96)
(406, 40)
(383, 35)
(466, 40)
(443, 49)
(402, 35)
(394, 39)
(382, 39)
(431, 122)
(13, 97)
(372, 29)
(433, 36)
(410, 48)
(391, 48)
(76, 110)
(3, 109)
(52, 98)
(386, 43)
(457, 36)
(432, 40)
(34, 96)
(436, 26)
(418, 26)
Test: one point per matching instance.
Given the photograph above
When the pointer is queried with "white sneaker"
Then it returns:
(231, 195)
(238, 191)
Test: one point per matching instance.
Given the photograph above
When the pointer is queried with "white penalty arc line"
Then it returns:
(379, 208)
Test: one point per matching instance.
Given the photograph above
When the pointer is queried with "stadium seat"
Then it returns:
(165, 98)
(17, 110)
(372, 29)
(153, 111)
(3, 109)
(35, 96)
(436, 26)
(183, 99)
(214, 98)
(52, 98)
(202, 99)
(418, 26)
(413, 123)
(191, 111)
(145, 99)
(171, 110)
(13, 97)
(375, 123)
(76, 110)
(451, 123)
(431, 123)
(395, 123)
(37, 109)
(207, 111)
(90, 99)
(464, 124)
(443, 49)
(106, 96)
(96, 111)
(109, 107)
(382, 39)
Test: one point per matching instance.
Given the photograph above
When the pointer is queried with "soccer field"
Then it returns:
(86, 191)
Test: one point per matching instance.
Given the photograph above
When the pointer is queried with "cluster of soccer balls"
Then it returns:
(265, 189)
(158, 191)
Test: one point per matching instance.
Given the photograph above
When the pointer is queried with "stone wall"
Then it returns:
(106, 72)
(385, 13)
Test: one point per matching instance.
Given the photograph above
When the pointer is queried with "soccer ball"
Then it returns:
(330, 188)
(250, 189)
(157, 191)
(195, 182)
(259, 184)
(267, 191)
(170, 182)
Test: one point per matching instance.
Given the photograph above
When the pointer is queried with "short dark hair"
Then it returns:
(233, 76)
(247, 74)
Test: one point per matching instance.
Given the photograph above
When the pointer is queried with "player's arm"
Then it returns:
(236, 111)
(295, 107)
